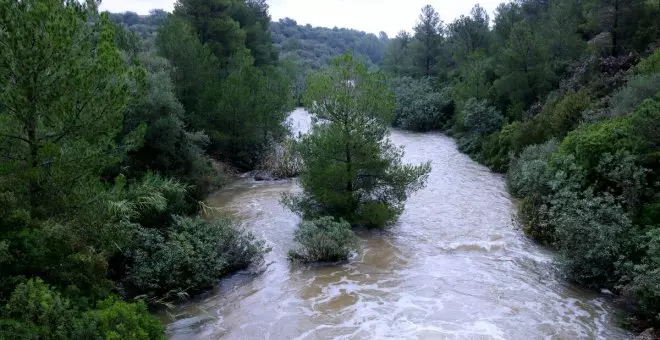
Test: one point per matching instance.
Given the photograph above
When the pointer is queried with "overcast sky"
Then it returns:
(373, 16)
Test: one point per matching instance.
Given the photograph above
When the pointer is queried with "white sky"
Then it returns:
(372, 16)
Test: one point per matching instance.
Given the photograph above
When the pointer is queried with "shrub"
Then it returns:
(419, 107)
(323, 240)
(529, 174)
(565, 115)
(604, 223)
(282, 160)
(650, 64)
(644, 281)
(639, 88)
(480, 118)
(190, 255)
(36, 311)
(115, 320)
(529, 179)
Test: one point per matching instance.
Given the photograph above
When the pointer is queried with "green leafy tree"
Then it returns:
(467, 34)
(398, 59)
(524, 69)
(194, 72)
(618, 17)
(352, 170)
(229, 26)
(62, 94)
(427, 43)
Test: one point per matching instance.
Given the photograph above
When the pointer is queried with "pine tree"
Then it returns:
(352, 169)
(428, 42)
(63, 91)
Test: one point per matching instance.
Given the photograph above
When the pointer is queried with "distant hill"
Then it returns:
(314, 46)
(144, 26)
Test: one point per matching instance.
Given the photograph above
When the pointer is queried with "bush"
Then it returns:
(282, 160)
(115, 320)
(37, 311)
(639, 88)
(419, 107)
(644, 282)
(323, 240)
(529, 174)
(190, 255)
(650, 64)
(529, 179)
(565, 115)
(480, 118)
(604, 223)
(479, 121)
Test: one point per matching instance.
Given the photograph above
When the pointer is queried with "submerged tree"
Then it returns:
(353, 171)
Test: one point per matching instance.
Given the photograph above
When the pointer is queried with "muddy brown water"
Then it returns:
(455, 266)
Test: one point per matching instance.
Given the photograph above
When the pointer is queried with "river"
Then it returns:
(455, 266)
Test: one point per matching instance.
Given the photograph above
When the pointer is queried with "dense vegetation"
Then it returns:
(106, 146)
(314, 47)
(564, 97)
(323, 240)
(351, 169)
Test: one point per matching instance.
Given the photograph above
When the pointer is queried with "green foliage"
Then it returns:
(472, 81)
(650, 64)
(480, 118)
(323, 240)
(167, 147)
(351, 168)
(639, 88)
(240, 107)
(602, 221)
(114, 319)
(231, 26)
(469, 34)
(524, 68)
(566, 114)
(190, 255)
(67, 128)
(599, 185)
(36, 311)
(419, 107)
(529, 179)
(426, 46)
(314, 47)
(644, 284)
(397, 59)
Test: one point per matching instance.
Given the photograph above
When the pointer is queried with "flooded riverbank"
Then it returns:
(454, 266)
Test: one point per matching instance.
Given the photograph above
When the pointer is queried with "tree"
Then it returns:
(428, 40)
(397, 58)
(194, 71)
(352, 170)
(228, 26)
(618, 17)
(524, 68)
(63, 92)
(467, 34)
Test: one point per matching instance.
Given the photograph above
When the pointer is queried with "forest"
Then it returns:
(114, 128)
(109, 140)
